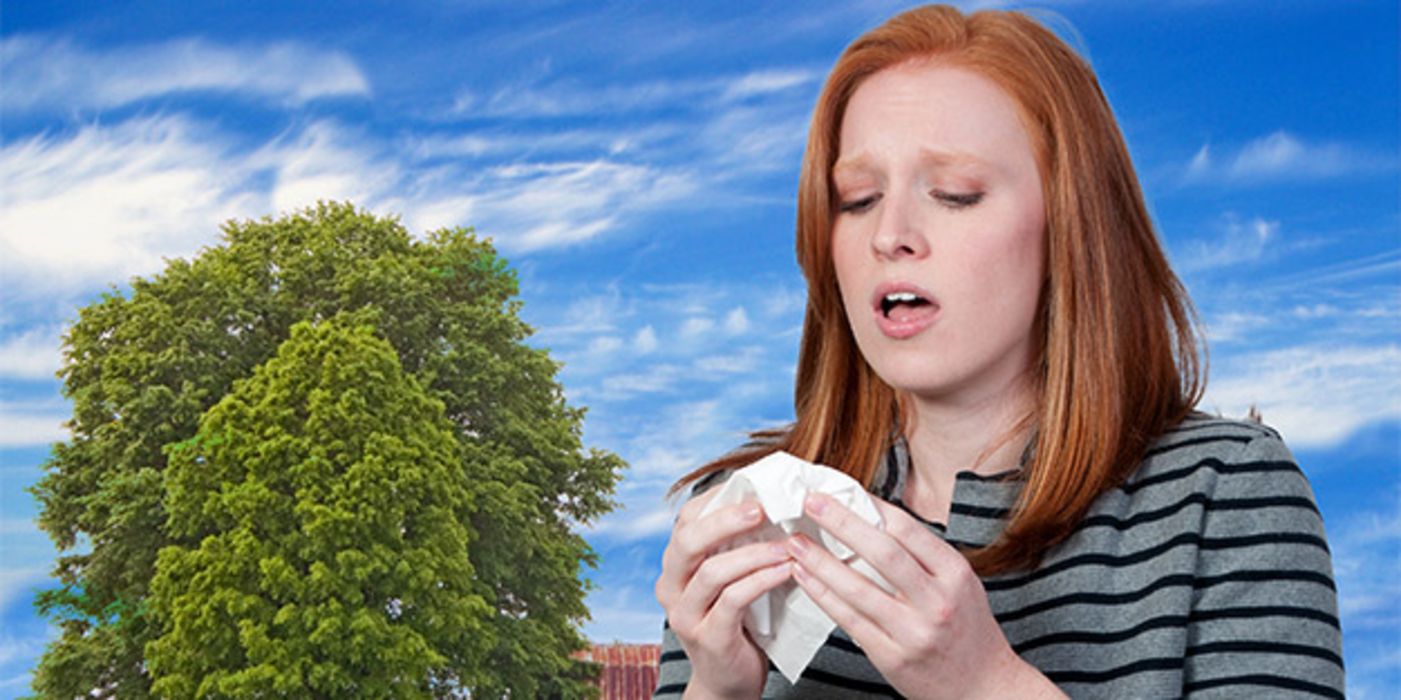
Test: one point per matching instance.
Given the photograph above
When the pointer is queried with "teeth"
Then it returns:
(889, 301)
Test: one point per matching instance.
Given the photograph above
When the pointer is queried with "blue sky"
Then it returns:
(636, 162)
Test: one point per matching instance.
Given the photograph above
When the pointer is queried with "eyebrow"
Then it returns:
(926, 155)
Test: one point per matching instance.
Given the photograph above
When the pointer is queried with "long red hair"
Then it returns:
(1119, 360)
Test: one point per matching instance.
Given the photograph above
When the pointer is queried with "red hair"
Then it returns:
(1118, 357)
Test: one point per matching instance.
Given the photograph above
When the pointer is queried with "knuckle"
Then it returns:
(667, 592)
(734, 596)
(941, 614)
(707, 575)
(923, 639)
(962, 576)
(899, 529)
(889, 558)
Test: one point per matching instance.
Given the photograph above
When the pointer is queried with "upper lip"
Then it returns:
(886, 288)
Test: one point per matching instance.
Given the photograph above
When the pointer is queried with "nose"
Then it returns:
(898, 231)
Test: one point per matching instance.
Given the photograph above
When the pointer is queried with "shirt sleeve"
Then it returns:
(1264, 618)
(675, 668)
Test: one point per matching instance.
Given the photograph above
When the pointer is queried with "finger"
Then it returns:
(729, 608)
(720, 571)
(840, 580)
(693, 507)
(931, 551)
(880, 549)
(871, 637)
(692, 542)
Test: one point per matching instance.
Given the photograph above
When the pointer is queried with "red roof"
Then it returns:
(629, 670)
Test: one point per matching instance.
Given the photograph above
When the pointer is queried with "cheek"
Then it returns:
(1007, 271)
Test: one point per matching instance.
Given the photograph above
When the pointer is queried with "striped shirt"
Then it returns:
(1206, 574)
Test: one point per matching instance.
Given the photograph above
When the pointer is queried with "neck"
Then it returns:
(947, 437)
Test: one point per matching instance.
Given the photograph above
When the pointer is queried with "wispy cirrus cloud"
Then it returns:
(93, 207)
(30, 426)
(53, 73)
(563, 98)
(1318, 394)
(30, 354)
(1235, 243)
(1282, 156)
(104, 203)
(674, 376)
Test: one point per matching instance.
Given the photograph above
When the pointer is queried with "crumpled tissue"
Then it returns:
(785, 622)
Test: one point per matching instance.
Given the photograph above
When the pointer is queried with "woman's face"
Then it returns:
(939, 244)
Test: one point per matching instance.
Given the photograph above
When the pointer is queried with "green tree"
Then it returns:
(328, 501)
(142, 368)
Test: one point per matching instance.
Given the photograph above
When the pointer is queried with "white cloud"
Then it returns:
(31, 354)
(1234, 326)
(1238, 243)
(106, 203)
(538, 99)
(746, 360)
(624, 385)
(48, 73)
(325, 161)
(645, 341)
(696, 327)
(737, 321)
(1283, 156)
(23, 426)
(533, 206)
(627, 525)
(1201, 163)
(624, 614)
(764, 82)
(604, 345)
(1316, 395)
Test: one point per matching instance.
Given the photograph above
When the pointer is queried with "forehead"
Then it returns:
(934, 112)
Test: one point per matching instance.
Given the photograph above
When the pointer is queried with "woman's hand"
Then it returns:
(934, 636)
(705, 592)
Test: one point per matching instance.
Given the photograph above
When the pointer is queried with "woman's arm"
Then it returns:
(1264, 618)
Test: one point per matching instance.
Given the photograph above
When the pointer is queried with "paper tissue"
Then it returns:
(784, 622)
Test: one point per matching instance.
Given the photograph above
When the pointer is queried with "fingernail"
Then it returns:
(798, 545)
(801, 574)
(753, 512)
(778, 550)
(816, 503)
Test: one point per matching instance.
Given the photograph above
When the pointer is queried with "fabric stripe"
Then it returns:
(1207, 572)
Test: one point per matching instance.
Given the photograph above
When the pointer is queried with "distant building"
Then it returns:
(629, 670)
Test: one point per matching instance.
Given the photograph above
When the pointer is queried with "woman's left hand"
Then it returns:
(934, 636)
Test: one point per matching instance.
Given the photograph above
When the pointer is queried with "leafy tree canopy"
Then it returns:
(328, 501)
(144, 369)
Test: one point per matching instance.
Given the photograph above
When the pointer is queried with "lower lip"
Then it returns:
(900, 330)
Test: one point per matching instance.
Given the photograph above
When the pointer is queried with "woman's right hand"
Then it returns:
(705, 590)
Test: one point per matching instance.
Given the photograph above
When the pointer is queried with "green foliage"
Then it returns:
(326, 496)
(143, 369)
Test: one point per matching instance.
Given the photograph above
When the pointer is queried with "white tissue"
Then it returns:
(784, 622)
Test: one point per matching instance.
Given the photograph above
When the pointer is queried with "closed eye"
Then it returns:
(857, 206)
(958, 200)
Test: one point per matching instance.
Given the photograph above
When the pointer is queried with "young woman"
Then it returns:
(995, 345)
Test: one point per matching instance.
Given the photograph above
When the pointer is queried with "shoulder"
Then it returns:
(1209, 451)
(1240, 476)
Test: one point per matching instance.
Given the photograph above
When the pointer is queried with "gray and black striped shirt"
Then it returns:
(1206, 574)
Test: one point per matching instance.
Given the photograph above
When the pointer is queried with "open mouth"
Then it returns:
(904, 306)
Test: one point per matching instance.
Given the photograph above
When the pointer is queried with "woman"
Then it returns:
(995, 345)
